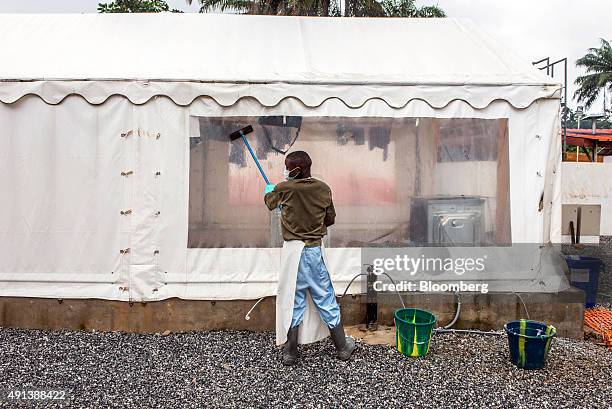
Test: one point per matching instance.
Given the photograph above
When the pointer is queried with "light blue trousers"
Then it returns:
(313, 276)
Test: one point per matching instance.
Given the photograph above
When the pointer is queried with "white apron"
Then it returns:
(312, 328)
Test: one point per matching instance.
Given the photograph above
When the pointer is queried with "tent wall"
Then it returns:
(96, 196)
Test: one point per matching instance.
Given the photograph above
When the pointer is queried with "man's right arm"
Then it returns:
(273, 199)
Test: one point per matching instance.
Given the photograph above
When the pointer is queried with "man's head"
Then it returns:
(298, 165)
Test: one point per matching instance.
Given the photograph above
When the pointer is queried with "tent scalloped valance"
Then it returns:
(183, 93)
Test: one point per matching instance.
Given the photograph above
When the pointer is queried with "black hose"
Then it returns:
(351, 282)
(398, 293)
(365, 274)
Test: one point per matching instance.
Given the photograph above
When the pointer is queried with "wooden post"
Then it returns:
(502, 196)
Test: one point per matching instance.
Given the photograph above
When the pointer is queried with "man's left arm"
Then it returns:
(330, 213)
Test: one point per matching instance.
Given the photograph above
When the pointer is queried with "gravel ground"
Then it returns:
(243, 370)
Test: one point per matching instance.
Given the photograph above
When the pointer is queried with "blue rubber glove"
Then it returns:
(269, 188)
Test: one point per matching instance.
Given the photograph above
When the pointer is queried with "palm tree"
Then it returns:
(324, 8)
(135, 6)
(598, 64)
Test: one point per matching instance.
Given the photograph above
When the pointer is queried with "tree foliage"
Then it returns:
(403, 8)
(324, 8)
(598, 77)
(572, 121)
(135, 6)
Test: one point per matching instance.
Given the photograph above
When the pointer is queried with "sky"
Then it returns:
(534, 29)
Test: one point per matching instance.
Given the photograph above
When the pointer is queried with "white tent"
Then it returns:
(113, 187)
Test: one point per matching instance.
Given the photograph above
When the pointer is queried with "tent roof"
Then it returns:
(257, 50)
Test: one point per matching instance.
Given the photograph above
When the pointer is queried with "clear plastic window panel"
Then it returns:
(395, 181)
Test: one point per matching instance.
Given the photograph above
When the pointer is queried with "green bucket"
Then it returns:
(413, 329)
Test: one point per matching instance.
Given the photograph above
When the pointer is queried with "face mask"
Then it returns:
(286, 174)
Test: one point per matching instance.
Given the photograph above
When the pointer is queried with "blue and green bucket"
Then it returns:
(413, 328)
(529, 342)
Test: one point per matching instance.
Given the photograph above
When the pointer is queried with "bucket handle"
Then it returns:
(542, 336)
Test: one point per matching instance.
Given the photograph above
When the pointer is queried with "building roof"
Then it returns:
(601, 139)
(603, 135)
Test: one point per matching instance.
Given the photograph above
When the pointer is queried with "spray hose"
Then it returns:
(445, 329)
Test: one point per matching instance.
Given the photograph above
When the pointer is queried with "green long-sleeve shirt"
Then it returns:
(307, 209)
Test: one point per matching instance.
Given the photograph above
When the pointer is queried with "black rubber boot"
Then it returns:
(344, 345)
(290, 349)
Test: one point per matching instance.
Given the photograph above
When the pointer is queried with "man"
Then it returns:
(306, 212)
